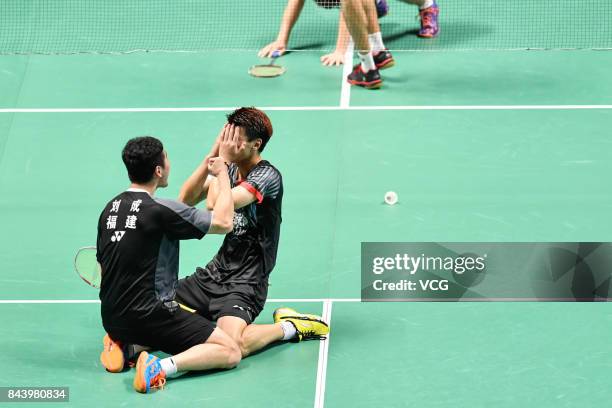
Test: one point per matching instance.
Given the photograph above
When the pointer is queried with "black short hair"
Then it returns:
(141, 155)
(255, 122)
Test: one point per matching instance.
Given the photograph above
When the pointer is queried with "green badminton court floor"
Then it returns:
(498, 146)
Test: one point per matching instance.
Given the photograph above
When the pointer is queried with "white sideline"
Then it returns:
(323, 353)
(345, 91)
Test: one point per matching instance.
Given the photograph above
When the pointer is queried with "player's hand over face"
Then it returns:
(214, 150)
(268, 50)
(231, 146)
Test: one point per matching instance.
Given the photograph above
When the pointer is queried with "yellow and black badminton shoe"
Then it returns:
(309, 329)
(286, 312)
(308, 326)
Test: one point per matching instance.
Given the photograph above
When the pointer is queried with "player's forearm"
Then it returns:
(192, 190)
(211, 195)
(224, 203)
(290, 16)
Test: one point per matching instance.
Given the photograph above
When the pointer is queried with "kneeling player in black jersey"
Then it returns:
(138, 250)
(232, 288)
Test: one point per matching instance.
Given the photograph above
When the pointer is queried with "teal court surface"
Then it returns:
(479, 146)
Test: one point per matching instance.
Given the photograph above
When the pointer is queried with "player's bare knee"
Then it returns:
(232, 351)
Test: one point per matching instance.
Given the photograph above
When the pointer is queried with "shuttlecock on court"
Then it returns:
(391, 197)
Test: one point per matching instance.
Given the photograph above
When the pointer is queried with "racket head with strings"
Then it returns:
(87, 266)
(266, 71)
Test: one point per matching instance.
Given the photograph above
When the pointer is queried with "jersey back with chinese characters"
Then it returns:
(248, 253)
(138, 249)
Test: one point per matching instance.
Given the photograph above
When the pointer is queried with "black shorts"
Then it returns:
(169, 331)
(328, 3)
(214, 300)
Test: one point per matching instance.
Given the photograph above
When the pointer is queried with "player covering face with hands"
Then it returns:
(232, 288)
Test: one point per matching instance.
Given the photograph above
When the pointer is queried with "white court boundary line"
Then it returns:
(313, 108)
(345, 91)
(323, 353)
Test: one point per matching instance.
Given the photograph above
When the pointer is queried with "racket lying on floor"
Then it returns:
(268, 70)
(87, 267)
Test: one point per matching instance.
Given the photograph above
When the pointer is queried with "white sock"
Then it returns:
(168, 365)
(426, 4)
(289, 330)
(367, 61)
(376, 42)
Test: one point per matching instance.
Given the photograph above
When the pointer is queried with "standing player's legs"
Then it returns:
(382, 58)
(356, 20)
(356, 16)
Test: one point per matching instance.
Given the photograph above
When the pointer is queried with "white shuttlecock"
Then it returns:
(391, 197)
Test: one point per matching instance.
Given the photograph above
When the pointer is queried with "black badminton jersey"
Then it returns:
(138, 249)
(248, 253)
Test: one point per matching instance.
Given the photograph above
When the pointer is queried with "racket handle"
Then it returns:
(275, 54)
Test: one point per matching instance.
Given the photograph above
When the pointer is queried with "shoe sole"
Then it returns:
(312, 320)
(139, 378)
(386, 64)
(367, 85)
(112, 360)
(428, 36)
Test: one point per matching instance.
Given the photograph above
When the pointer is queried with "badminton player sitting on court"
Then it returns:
(138, 249)
(292, 13)
(232, 288)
